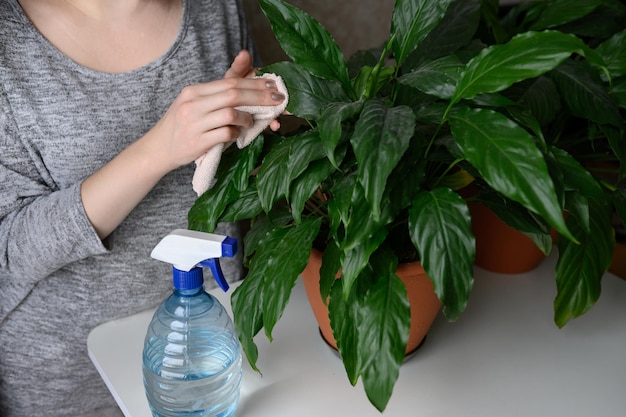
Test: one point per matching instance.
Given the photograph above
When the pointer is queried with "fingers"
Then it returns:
(234, 86)
(206, 107)
(231, 92)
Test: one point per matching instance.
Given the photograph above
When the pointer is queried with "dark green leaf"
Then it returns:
(306, 184)
(272, 182)
(306, 42)
(356, 259)
(440, 228)
(406, 178)
(519, 218)
(542, 99)
(617, 142)
(245, 163)
(262, 298)
(411, 22)
(360, 224)
(618, 198)
(330, 125)
(344, 315)
(528, 121)
(306, 150)
(527, 55)
(246, 206)
(248, 316)
(363, 236)
(490, 13)
(280, 262)
(437, 78)
(381, 137)
(618, 90)
(584, 93)
(602, 23)
(361, 81)
(453, 32)
(559, 12)
(575, 176)
(284, 163)
(339, 205)
(580, 268)
(492, 100)
(262, 228)
(308, 95)
(577, 205)
(508, 159)
(613, 51)
(384, 335)
(235, 167)
(577, 182)
(360, 59)
(331, 264)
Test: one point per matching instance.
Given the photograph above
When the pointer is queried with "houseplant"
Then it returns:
(581, 114)
(390, 139)
(577, 109)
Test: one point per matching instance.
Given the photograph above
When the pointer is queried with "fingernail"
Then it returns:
(278, 96)
(270, 84)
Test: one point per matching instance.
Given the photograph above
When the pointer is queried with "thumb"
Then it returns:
(241, 66)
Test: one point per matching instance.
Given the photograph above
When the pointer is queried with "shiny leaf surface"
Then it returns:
(381, 137)
(412, 21)
(508, 159)
(527, 55)
(580, 268)
(383, 337)
(440, 228)
(306, 42)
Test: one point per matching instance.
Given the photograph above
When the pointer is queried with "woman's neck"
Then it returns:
(106, 10)
(108, 35)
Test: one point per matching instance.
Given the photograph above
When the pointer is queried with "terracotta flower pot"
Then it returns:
(424, 303)
(499, 247)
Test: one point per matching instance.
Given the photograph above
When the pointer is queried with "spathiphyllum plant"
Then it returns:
(519, 104)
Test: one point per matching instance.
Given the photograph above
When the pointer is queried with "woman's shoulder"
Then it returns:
(15, 27)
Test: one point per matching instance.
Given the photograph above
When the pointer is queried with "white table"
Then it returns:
(503, 357)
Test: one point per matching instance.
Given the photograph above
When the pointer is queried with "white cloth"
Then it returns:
(206, 165)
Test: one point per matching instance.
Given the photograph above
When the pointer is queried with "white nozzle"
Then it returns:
(185, 249)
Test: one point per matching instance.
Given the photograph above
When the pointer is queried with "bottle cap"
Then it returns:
(187, 280)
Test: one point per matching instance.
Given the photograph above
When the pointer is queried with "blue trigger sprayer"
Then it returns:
(191, 356)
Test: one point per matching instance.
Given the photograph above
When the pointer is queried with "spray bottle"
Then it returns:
(191, 356)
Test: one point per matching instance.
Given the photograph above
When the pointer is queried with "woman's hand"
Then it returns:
(242, 68)
(202, 116)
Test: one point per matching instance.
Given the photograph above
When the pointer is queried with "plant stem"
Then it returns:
(373, 81)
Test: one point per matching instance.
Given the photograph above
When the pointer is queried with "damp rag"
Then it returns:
(206, 165)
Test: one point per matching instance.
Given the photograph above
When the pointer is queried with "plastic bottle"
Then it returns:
(191, 356)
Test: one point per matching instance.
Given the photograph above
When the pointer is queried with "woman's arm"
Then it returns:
(202, 116)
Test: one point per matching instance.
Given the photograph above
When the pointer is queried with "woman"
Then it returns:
(104, 105)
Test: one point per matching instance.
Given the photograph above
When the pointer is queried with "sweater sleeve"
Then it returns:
(42, 228)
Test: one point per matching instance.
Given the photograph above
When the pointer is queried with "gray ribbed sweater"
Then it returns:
(59, 123)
